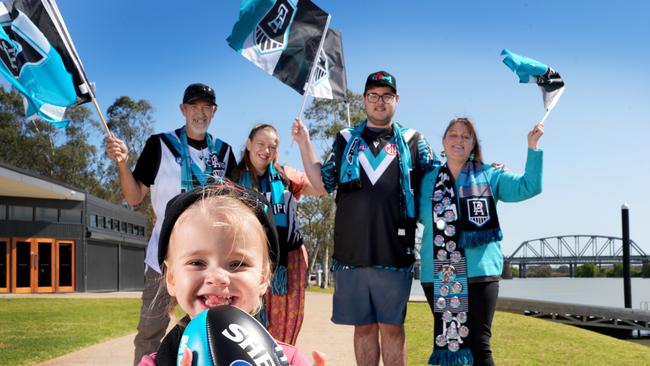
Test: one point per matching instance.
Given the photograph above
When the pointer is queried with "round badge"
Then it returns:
(463, 331)
(446, 201)
(453, 346)
(451, 246)
(437, 209)
(452, 332)
(441, 224)
(442, 254)
(455, 302)
(446, 316)
(449, 216)
(441, 340)
(437, 195)
(441, 303)
(455, 256)
(456, 288)
(462, 317)
(450, 230)
(439, 240)
(444, 291)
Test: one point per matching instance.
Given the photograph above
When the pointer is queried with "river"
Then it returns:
(586, 291)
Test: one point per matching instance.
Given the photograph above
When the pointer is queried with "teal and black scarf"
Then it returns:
(462, 218)
(271, 183)
(189, 169)
(350, 172)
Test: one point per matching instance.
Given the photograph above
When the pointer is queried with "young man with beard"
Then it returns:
(169, 164)
(376, 168)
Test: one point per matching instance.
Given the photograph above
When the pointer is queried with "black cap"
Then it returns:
(381, 78)
(256, 201)
(199, 91)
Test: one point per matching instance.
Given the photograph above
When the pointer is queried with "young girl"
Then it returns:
(259, 170)
(214, 249)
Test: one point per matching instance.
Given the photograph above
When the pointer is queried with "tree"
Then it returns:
(62, 154)
(616, 270)
(539, 271)
(131, 121)
(645, 270)
(587, 270)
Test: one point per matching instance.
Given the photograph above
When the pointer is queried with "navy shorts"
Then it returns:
(369, 295)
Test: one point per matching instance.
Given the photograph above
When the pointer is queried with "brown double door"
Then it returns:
(36, 265)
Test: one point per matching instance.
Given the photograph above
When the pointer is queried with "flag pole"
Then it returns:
(101, 116)
(313, 66)
(53, 10)
(544, 118)
(347, 105)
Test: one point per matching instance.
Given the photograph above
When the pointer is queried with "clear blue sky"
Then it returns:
(445, 56)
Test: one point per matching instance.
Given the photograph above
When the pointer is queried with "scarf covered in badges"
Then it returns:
(350, 173)
(450, 331)
(189, 169)
(462, 218)
(272, 183)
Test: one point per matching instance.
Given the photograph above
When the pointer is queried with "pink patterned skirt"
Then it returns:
(285, 312)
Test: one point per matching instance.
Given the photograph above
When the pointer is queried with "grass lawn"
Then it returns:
(34, 330)
(522, 340)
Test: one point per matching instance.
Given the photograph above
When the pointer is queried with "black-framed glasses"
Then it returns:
(374, 97)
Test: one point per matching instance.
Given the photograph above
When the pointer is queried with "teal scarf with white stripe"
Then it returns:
(188, 166)
(350, 172)
(272, 182)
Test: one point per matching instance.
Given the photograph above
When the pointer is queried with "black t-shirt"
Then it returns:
(370, 228)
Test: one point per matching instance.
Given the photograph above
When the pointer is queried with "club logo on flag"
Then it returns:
(322, 68)
(478, 211)
(16, 55)
(272, 31)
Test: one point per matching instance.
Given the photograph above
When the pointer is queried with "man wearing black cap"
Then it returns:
(169, 164)
(376, 169)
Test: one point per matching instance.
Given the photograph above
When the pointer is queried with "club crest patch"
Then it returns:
(478, 211)
(322, 67)
(391, 149)
(272, 32)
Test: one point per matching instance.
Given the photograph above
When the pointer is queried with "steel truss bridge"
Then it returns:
(573, 250)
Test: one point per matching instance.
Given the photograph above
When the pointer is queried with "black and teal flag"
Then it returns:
(329, 80)
(281, 37)
(532, 71)
(38, 58)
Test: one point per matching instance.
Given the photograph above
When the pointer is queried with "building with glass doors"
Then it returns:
(57, 238)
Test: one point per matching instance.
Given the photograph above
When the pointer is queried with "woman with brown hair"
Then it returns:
(258, 169)
(461, 254)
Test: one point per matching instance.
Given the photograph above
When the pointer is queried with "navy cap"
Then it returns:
(199, 91)
(381, 78)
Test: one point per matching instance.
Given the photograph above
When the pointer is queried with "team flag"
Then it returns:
(38, 58)
(531, 71)
(281, 37)
(329, 80)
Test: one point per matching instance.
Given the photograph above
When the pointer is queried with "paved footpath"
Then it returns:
(317, 333)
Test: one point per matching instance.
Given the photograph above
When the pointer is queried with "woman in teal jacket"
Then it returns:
(461, 258)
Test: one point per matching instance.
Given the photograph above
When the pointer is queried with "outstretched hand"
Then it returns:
(534, 135)
(116, 149)
(299, 131)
